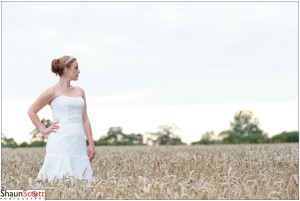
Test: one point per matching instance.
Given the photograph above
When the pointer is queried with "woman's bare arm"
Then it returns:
(45, 98)
(88, 130)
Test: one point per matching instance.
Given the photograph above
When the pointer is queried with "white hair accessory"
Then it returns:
(70, 58)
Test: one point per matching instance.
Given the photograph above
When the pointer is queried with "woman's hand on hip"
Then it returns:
(53, 128)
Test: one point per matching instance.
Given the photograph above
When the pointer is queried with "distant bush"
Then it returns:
(24, 144)
(11, 145)
(123, 143)
(37, 144)
(206, 141)
(234, 138)
(258, 138)
(8, 142)
(101, 142)
(176, 142)
(286, 137)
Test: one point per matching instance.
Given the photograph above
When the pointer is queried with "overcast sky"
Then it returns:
(144, 64)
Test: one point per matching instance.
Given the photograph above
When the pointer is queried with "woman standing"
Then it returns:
(66, 152)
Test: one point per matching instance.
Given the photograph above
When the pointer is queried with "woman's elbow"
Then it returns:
(29, 112)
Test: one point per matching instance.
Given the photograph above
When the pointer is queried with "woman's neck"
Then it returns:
(64, 83)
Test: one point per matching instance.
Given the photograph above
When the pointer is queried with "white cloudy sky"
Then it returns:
(144, 64)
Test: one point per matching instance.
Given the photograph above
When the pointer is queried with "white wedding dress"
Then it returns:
(66, 150)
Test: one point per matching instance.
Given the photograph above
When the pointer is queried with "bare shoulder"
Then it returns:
(79, 91)
(46, 96)
(49, 92)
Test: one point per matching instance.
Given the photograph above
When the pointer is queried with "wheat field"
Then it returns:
(265, 171)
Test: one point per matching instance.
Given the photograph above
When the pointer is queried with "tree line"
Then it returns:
(243, 129)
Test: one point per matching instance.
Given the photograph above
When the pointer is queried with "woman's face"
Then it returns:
(73, 71)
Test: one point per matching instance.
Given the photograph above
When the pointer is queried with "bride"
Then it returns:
(66, 151)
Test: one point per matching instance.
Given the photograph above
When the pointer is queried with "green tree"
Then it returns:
(113, 134)
(135, 138)
(167, 129)
(208, 135)
(224, 134)
(167, 136)
(245, 124)
(8, 142)
(3, 138)
(208, 138)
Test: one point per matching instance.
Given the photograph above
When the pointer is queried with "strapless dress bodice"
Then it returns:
(67, 109)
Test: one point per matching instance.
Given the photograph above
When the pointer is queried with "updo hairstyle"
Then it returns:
(58, 65)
